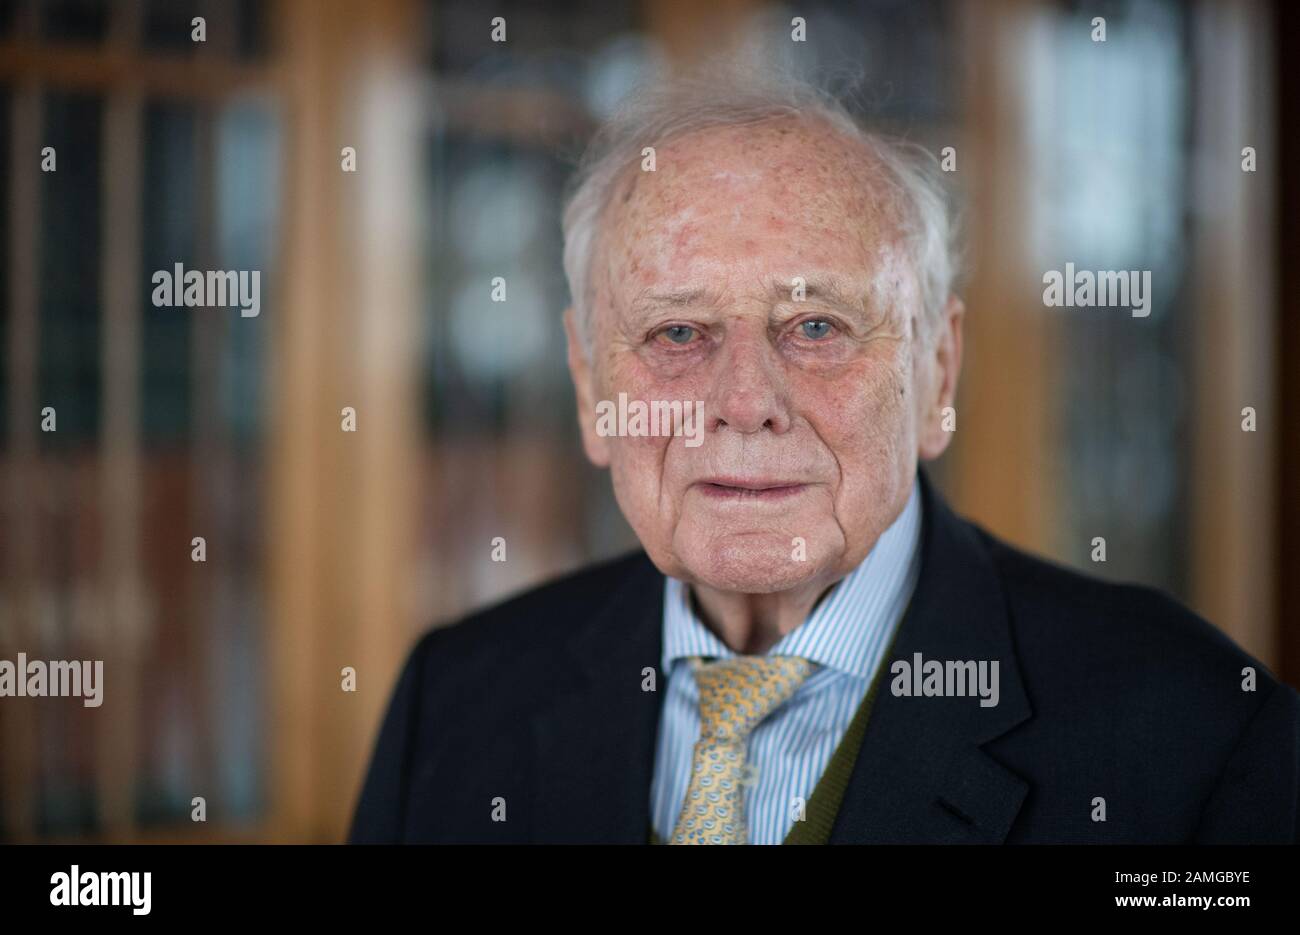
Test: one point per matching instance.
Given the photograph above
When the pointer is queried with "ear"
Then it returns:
(944, 365)
(596, 446)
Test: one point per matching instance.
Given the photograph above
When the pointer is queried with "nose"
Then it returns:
(748, 394)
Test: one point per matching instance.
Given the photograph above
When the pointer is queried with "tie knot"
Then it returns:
(738, 692)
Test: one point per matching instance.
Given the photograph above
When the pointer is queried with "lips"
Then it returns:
(748, 488)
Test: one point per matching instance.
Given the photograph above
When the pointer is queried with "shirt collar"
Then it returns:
(849, 628)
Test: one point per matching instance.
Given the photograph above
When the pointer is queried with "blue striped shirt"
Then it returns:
(846, 635)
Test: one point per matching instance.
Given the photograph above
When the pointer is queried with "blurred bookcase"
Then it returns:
(165, 151)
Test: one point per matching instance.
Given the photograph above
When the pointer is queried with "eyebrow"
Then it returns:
(832, 289)
(675, 299)
(649, 302)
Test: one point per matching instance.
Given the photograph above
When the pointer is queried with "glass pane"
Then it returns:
(170, 237)
(74, 20)
(6, 212)
(1108, 136)
(70, 367)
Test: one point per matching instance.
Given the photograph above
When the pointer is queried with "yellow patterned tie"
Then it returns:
(735, 695)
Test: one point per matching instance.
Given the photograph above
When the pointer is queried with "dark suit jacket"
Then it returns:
(1107, 692)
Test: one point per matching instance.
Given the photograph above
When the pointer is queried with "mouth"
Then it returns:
(751, 489)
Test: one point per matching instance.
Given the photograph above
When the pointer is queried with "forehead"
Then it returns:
(781, 189)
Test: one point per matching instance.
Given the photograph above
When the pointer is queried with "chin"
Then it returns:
(754, 563)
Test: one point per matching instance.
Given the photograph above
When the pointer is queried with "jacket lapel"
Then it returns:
(594, 747)
(921, 775)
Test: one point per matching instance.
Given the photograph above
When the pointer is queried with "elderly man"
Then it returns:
(811, 647)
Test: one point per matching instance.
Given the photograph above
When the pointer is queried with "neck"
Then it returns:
(751, 624)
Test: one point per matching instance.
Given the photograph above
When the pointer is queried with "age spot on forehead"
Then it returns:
(726, 176)
(822, 170)
(629, 186)
(800, 180)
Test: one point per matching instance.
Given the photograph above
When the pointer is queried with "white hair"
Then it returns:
(738, 96)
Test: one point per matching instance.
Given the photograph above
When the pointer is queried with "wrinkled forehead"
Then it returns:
(811, 174)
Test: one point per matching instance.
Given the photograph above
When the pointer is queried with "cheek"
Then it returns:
(637, 473)
(638, 460)
(864, 415)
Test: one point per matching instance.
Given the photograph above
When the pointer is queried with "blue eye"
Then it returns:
(816, 329)
(679, 334)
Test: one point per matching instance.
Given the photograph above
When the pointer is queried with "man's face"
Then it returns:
(815, 408)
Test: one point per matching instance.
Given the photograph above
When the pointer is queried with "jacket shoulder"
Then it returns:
(1159, 698)
(518, 632)
(476, 678)
(1122, 623)
(1130, 663)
